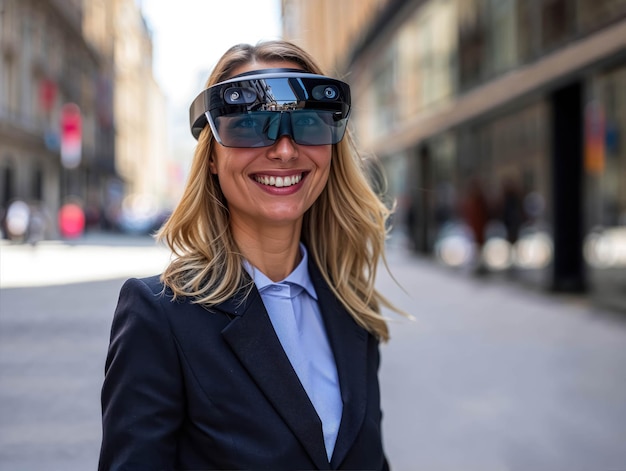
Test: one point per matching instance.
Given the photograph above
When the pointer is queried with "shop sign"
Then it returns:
(595, 138)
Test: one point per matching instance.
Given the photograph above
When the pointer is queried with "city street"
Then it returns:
(487, 377)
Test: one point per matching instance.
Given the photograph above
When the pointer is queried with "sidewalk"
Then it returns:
(90, 258)
(494, 376)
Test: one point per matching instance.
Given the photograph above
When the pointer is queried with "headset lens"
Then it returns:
(246, 130)
(263, 128)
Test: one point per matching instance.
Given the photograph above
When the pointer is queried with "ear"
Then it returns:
(212, 166)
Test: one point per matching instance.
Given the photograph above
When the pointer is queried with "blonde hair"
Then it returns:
(349, 216)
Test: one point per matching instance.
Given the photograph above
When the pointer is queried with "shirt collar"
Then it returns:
(299, 276)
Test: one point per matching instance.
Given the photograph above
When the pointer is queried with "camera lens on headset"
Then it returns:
(330, 93)
(325, 92)
(240, 96)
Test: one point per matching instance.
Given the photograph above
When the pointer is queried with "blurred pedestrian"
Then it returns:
(17, 218)
(475, 210)
(476, 214)
(71, 220)
(257, 348)
(37, 224)
(511, 209)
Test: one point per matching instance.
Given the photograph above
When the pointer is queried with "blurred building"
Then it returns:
(99, 199)
(46, 63)
(140, 114)
(328, 29)
(78, 68)
(500, 124)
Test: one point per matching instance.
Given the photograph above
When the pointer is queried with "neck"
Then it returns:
(275, 251)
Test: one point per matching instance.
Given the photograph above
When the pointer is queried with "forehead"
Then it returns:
(258, 65)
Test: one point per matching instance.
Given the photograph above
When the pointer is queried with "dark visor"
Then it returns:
(256, 108)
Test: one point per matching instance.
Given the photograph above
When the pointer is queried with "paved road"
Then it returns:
(488, 377)
(493, 377)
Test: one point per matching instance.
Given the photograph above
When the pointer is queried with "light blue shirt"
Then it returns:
(293, 309)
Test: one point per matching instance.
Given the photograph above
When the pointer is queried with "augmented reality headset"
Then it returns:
(256, 108)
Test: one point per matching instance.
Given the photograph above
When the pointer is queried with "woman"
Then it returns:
(257, 348)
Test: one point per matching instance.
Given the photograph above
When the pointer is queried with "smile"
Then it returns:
(279, 182)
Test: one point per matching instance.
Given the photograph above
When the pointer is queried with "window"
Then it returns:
(594, 13)
(502, 36)
(557, 23)
(471, 42)
(37, 182)
(7, 181)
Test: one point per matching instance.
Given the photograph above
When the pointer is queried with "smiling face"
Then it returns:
(271, 186)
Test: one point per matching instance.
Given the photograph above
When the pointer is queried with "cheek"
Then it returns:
(323, 162)
(228, 160)
(320, 155)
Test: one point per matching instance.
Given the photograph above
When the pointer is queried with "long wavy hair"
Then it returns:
(344, 230)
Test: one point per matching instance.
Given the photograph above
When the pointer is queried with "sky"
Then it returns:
(188, 38)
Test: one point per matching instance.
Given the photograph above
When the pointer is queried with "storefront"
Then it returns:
(605, 186)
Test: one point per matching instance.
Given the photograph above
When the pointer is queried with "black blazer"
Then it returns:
(186, 388)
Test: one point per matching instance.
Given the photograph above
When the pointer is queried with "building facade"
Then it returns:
(500, 125)
(140, 114)
(328, 29)
(46, 63)
(93, 58)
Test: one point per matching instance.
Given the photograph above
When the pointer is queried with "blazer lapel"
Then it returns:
(254, 341)
(349, 344)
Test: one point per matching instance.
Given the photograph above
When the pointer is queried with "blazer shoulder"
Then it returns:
(151, 292)
(150, 284)
(146, 294)
(154, 283)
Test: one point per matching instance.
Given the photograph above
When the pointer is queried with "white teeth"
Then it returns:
(278, 182)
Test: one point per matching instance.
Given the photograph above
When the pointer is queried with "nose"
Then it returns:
(283, 149)
(284, 127)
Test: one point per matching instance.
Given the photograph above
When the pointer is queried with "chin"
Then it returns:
(284, 217)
